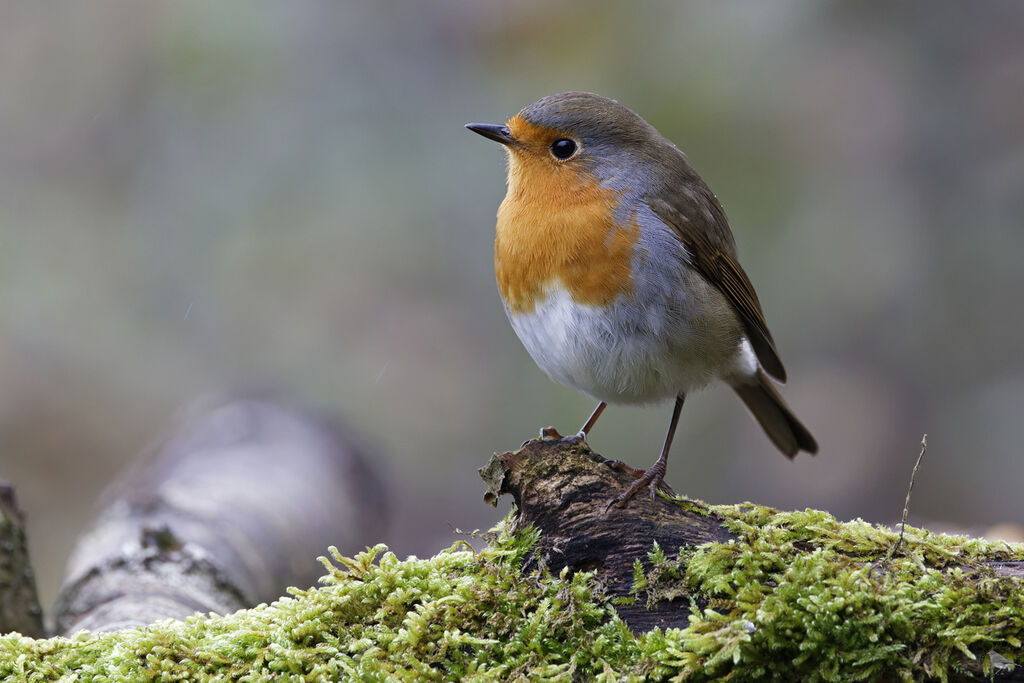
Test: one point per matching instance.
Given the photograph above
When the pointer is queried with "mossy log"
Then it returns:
(563, 489)
(563, 590)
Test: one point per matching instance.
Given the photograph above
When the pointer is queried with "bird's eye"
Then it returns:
(563, 148)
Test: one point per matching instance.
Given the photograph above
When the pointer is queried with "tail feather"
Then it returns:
(778, 421)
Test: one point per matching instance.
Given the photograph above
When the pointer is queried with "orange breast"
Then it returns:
(556, 227)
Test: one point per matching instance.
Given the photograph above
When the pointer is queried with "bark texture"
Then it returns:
(19, 604)
(226, 512)
(562, 488)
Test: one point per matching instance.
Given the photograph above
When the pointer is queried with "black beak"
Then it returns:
(492, 132)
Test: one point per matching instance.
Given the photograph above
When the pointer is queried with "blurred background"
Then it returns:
(199, 197)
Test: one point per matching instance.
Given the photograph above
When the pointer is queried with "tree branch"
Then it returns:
(227, 512)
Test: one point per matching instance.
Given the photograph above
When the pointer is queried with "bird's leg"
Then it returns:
(585, 429)
(654, 475)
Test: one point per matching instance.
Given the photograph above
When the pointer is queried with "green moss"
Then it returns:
(459, 615)
(798, 596)
(801, 596)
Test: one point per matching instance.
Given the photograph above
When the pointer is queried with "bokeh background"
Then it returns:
(202, 197)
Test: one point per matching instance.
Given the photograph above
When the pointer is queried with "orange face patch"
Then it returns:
(556, 225)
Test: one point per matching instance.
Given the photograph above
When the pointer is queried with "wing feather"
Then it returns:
(699, 221)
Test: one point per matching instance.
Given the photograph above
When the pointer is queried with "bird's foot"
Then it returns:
(550, 433)
(620, 466)
(654, 478)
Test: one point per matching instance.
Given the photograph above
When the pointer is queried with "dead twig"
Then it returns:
(910, 489)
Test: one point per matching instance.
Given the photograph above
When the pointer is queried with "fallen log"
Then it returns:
(669, 589)
(225, 512)
(758, 585)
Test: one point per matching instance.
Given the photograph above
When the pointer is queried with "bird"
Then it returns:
(618, 271)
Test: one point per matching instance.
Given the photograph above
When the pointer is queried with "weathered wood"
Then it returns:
(19, 603)
(562, 488)
(227, 512)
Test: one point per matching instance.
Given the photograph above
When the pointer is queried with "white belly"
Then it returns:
(633, 352)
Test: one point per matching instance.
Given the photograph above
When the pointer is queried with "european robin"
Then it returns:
(618, 270)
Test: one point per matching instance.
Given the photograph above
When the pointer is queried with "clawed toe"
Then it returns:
(653, 478)
(647, 478)
(550, 433)
(620, 466)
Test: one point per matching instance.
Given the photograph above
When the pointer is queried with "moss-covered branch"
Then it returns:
(784, 596)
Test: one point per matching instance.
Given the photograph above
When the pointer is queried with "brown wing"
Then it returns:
(699, 221)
